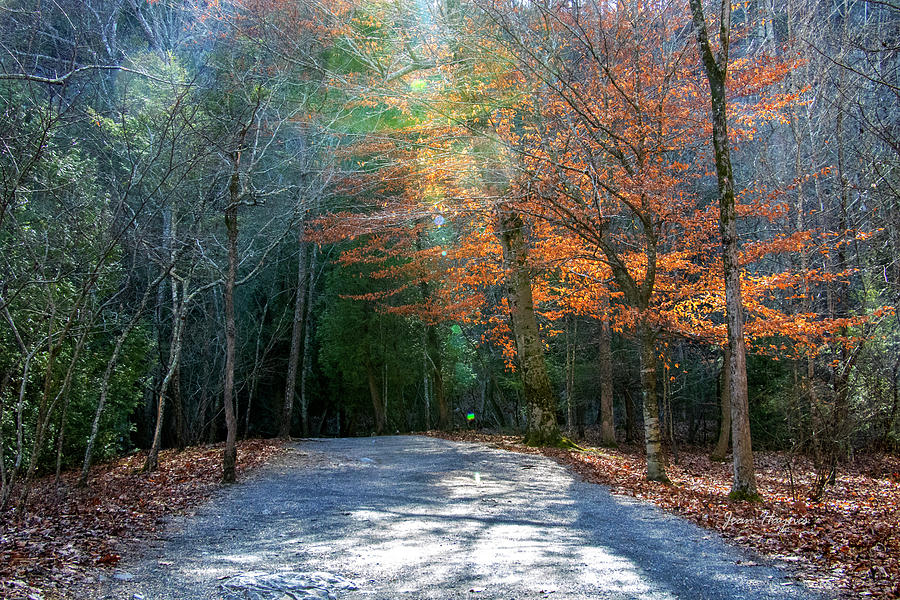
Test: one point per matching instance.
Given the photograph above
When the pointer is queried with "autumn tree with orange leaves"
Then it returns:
(593, 149)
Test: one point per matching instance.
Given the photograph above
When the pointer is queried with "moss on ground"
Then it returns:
(744, 496)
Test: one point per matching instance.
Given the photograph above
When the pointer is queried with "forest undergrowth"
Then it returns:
(849, 541)
(67, 531)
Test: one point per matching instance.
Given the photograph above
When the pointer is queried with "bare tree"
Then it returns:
(716, 68)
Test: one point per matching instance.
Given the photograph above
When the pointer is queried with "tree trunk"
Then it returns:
(497, 401)
(607, 422)
(229, 457)
(168, 235)
(433, 345)
(571, 333)
(178, 314)
(178, 404)
(895, 404)
(175, 385)
(542, 426)
(101, 404)
(46, 409)
(426, 389)
(320, 422)
(254, 375)
(656, 470)
(3, 481)
(307, 340)
(668, 416)
(152, 461)
(377, 406)
(716, 72)
(60, 440)
(433, 355)
(20, 429)
(284, 429)
(212, 414)
(480, 403)
(721, 449)
(9, 483)
(630, 418)
(840, 418)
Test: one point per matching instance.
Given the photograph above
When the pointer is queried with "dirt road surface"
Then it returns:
(390, 518)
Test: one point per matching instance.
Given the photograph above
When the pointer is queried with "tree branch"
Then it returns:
(64, 79)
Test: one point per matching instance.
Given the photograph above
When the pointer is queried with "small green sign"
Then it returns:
(470, 416)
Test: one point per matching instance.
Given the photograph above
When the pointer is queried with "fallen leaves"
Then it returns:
(67, 531)
(849, 541)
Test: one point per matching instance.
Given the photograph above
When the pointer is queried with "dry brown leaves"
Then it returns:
(67, 531)
(849, 541)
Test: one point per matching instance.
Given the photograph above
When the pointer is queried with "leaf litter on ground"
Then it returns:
(848, 542)
(67, 532)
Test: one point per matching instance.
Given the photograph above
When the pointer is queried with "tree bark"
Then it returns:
(607, 422)
(9, 483)
(630, 419)
(307, 341)
(542, 428)
(229, 456)
(3, 482)
(152, 461)
(60, 441)
(171, 363)
(377, 406)
(895, 404)
(284, 429)
(656, 470)
(178, 404)
(101, 403)
(433, 345)
(744, 484)
(175, 385)
(20, 428)
(254, 375)
(840, 418)
(571, 333)
(426, 389)
(721, 449)
(46, 410)
(433, 356)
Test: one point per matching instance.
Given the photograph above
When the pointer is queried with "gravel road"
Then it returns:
(417, 517)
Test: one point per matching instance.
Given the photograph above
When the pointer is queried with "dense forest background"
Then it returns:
(266, 217)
